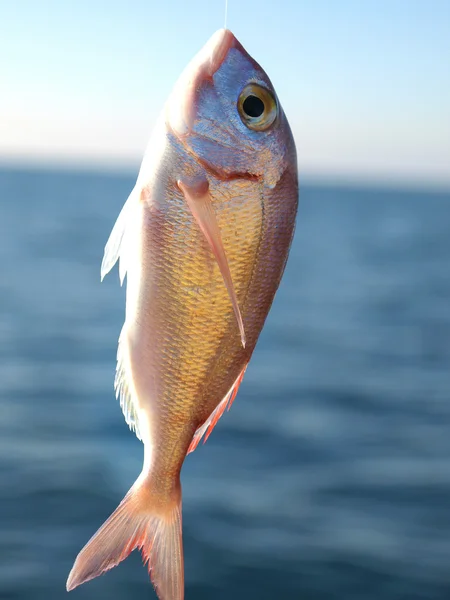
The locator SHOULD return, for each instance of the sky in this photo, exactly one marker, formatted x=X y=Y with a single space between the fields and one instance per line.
x=365 y=83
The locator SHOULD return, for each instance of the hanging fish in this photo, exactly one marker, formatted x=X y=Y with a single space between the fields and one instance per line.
x=203 y=239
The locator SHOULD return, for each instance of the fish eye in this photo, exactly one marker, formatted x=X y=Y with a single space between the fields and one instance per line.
x=257 y=107
x=253 y=106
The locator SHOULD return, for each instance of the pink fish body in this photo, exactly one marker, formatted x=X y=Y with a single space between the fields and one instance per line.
x=203 y=240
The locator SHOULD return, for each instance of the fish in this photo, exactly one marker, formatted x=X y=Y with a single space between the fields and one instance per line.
x=203 y=241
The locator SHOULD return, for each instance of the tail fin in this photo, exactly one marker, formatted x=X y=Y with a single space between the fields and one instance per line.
x=140 y=521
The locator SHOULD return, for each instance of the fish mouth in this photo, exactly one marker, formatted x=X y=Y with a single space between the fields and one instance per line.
x=215 y=51
x=181 y=107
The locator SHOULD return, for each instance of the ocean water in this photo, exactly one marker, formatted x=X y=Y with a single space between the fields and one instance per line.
x=330 y=477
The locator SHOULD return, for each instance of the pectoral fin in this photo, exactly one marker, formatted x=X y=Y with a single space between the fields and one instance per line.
x=199 y=201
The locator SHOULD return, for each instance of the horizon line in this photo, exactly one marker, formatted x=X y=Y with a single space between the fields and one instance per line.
x=309 y=176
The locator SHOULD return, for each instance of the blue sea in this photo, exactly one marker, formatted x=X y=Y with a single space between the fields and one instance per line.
x=330 y=477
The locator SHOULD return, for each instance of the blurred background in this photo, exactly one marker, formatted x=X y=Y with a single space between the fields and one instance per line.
x=330 y=477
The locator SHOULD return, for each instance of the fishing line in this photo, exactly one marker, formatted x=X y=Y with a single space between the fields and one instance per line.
x=226 y=14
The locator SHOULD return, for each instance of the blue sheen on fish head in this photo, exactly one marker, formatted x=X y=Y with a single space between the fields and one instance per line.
x=225 y=111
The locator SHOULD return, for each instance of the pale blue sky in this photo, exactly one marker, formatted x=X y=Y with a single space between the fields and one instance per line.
x=365 y=84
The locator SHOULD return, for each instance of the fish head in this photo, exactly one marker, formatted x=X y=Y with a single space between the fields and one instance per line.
x=225 y=112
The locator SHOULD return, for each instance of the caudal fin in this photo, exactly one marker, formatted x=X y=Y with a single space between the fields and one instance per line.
x=140 y=521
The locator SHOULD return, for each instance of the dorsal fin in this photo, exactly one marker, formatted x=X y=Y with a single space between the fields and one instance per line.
x=124 y=388
x=117 y=242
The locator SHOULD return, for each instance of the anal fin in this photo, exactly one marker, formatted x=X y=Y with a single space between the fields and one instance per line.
x=211 y=422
